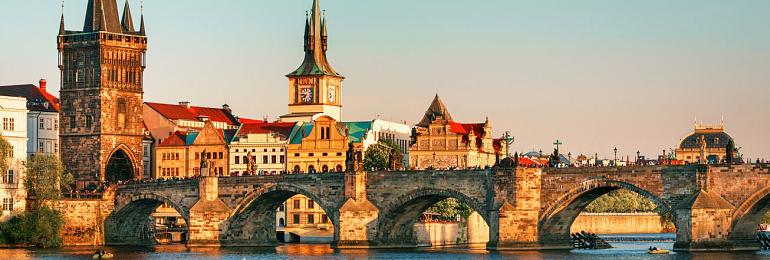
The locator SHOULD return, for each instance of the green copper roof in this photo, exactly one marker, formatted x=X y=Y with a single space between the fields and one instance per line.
x=299 y=132
x=358 y=130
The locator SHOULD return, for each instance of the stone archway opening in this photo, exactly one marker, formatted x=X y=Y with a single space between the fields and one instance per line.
x=617 y=211
x=119 y=167
x=282 y=215
x=434 y=219
x=148 y=221
x=755 y=218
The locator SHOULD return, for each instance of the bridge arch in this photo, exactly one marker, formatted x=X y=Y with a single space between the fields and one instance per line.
x=748 y=215
x=253 y=221
x=398 y=217
x=131 y=215
x=555 y=222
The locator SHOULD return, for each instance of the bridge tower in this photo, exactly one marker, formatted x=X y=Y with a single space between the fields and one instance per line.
x=102 y=70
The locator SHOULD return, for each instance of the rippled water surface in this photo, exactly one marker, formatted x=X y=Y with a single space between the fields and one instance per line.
x=621 y=250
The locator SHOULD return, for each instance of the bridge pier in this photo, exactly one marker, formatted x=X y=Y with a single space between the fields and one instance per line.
x=358 y=217
x=513 y=225
x=208 y=214
x=703 y=224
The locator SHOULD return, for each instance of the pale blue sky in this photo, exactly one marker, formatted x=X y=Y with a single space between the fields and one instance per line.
x=594 y=74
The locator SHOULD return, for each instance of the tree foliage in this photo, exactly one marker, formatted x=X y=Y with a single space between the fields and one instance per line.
x=5 y=153
x=449 y=209
x=45 y=178
x=385 y=154
x=621 y=201
x=39 y=227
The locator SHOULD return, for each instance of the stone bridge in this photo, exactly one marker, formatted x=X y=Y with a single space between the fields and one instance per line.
x=714 y=207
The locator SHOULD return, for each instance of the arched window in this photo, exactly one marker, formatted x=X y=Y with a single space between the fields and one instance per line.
x=339 y=168
x=311 y=169
x=281 y=222
x=296 y=169
x=121 y=112
x=325 y=168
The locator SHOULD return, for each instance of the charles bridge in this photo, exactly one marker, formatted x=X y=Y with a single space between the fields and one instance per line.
x=713 y=207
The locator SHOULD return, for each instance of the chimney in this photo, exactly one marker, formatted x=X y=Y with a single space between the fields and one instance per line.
x=42 y=84
x=226 y=107
x=185 y=103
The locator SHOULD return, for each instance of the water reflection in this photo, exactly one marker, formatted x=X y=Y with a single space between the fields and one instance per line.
x=621 y=250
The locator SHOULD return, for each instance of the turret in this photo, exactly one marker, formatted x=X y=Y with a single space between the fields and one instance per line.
x=127 y=22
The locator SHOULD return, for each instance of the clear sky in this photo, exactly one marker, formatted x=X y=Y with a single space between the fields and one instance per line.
x=595 y=74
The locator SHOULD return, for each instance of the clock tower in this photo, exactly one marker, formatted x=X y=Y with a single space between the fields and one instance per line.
x=315 y=87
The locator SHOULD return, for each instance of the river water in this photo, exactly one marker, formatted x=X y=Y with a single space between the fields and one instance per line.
x=621 y=250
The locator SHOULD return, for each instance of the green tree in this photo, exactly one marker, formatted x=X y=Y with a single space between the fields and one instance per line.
x=5 y=153
x=621 y=201
x=449 y=209
x=385 y=154
x=39 y=227
x=46 y=178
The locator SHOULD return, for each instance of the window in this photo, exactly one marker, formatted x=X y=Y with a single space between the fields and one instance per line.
x=8 y=177
x=8 y=124
x=40 y=147
x=310 y=204
x=237 y=160
x=89 y=121
x=324 y=218
x=295 y=218
x=41 y=125
x=264 y=159
x=56 y=147
x=310 y=218
x=8 y=204
x=296 y=204
x=273 y=159
x=245 y=159
x=121 y=112
x=282 y=159
x=56 y=124
x=221 y=155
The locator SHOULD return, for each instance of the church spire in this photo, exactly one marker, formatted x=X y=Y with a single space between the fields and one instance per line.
x=315 y=62
x=127 y=22
x=61 y=23
x=141 y=22
x=102 y=16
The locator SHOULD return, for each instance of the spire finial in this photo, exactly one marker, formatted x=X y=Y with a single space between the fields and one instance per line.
x=61 y=23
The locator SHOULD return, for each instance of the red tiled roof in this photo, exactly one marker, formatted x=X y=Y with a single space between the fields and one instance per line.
x=465 y=130
x=282 y=129
x=524 y=161
x=176 y=139
x=172 y=111
x=36 y=97
x=249 y=121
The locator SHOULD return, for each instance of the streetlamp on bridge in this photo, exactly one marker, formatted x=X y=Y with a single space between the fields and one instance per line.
x=616 y=156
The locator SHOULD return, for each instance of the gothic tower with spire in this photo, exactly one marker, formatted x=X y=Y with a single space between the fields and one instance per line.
x=315 y=88
x=102 y=70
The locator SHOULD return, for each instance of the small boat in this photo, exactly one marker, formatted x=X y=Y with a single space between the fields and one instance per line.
x=658 y=252
x=103 y=255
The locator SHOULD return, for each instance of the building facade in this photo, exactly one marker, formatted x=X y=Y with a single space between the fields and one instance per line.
x=315 y=88
x=102 y=69
x=260 y=148
x=179 y=155
x=13 y=113
x=439 y=142
x=318 y=146
x=400 y=133
x=162 y=120
x=42 y=118
x=707 y=144
x=306 y=220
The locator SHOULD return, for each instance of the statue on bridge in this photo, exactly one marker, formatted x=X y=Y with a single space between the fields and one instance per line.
x=353 y=159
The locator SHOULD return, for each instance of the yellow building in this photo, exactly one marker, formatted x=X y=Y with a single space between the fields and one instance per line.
x=441 y=143
x=706 y=144
x=307 y=221
x=179 y=155
x=321 y=145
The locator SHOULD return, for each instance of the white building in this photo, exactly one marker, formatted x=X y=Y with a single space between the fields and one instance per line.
x=260 y=147
x=399 y=132
x=42 y=118
x=13 y=113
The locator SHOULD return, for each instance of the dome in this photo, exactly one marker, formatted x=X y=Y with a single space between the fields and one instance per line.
x=718 y=139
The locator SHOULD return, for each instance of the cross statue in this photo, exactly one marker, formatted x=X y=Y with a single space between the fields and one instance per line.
x=557 y=143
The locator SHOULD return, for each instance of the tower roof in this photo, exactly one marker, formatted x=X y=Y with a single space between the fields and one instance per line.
x=102 y=16
x=315 y=62
x=127 y=21
x=436 y=108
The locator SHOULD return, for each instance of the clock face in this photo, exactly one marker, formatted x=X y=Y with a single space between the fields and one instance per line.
x=307 y=95
x=332 y=95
